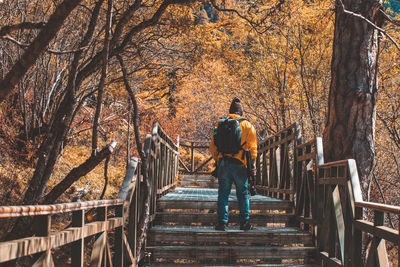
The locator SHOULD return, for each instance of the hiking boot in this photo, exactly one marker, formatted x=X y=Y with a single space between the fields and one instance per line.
x=246 y=226
x=221 y=226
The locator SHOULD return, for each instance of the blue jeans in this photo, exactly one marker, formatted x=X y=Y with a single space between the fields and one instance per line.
x=229 y=171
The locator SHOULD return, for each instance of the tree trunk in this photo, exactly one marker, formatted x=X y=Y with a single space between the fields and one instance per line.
x=78 y=172
x=350 y=127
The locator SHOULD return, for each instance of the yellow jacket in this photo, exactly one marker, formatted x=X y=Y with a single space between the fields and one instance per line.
x=249 y=139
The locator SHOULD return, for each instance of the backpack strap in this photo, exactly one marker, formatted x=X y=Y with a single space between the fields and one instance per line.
x=241 y=146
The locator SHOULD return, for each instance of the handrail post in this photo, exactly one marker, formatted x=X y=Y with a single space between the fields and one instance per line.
x=43 y=230
x=119 y=243
x=77 y=251
x=192 y=158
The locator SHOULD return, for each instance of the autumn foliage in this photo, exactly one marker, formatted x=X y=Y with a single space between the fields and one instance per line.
x=185 y=61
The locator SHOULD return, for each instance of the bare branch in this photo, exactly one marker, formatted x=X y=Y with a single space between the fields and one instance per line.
x=253 y=24
x=104 y=70
x=52 y=51
x=369 y=22
x=21 y=26
x=389 y=18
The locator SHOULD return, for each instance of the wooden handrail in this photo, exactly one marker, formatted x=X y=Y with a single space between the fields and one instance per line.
x=162 y=158
x=31 y=210
x=378 y=207
x=275 y=165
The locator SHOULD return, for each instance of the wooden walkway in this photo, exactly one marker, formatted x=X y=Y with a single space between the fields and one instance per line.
x=184 y=232
x=308 y=212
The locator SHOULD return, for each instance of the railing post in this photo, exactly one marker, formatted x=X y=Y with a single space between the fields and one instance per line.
x=357 y=240
x=378 y=247
x=77 y=251
x=119 y=243
x=192 y=158
x=43 y=230
x=102 y=216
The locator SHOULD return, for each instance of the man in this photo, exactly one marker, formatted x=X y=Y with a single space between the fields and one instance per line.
x=232 y=168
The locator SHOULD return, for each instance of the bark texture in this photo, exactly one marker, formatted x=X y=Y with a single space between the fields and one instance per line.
x=350 y=127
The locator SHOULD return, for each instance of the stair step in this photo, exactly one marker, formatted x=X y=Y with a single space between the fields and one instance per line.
x=198 y=183
x=260 y=235
x=206 y=198
x=224 y=265
x=231 y=253
x=212 y=205
x=208 y=177
x=211 y=218
x=206 y=181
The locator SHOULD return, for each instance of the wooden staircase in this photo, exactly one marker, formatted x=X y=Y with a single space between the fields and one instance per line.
x=183 y=232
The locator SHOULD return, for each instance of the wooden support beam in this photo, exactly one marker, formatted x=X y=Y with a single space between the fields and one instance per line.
x=77 y=251
x=28 y=246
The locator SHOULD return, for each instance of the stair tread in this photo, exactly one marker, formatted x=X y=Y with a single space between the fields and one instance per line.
x=228 y=247
x=230 y=229
x=231 y=252
x=224 y=265
x=197 y=194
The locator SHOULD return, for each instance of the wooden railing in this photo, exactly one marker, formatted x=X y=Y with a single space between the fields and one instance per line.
x=195 y=168
x=342 y=224
x=117 y=216
x=327 y=200
x=329 y=204
x=110 y=215
x=163 y=160
x=308 y=156
x=276 y=163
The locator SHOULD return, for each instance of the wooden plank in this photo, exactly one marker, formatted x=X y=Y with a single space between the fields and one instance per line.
x=203 y=164
x=171 y=147
x=339 y=220
x=165 y=188
x=306 y=220
x=77 y=250
x=329 y=261
x=28 y=246
x=46 y=260
x=98 y=251
x=382 y=255
x=20 y=211
x=233 y=236
x=275 y=190
x=261 y=205
x=231 y=252
x=306 y=157
x=379 y=207
x=333 y=181
x=128 y=185
x=334 y=164
x=184 y=166
x=195 y=146
x=211 y=218
x=128 y=249
x=384 y=232
x=304 y=145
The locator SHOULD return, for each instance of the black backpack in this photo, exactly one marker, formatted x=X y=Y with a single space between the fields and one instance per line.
x=228 y=135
